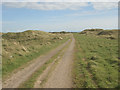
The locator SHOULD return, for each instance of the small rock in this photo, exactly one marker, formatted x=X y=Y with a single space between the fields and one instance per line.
x=11 y=56
x=60 y=38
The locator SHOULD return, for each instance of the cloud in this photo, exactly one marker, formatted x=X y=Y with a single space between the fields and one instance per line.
x=104 y=5
x=15 y=4
x=47 y=5
x=60 y=5
x=61 y=1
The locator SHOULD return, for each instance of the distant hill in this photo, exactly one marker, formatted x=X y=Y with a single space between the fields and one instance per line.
x=112 y=34
x=91 y=31
x=108 y=32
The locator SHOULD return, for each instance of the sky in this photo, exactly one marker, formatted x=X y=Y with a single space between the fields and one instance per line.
x=58 y=16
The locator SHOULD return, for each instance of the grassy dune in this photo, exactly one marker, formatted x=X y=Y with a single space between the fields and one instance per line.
x=96 y=60
x=20 y=48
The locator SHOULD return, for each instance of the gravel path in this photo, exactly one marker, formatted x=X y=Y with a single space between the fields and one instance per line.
x=61 y=77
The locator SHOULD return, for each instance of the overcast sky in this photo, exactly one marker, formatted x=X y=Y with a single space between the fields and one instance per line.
x=51 y=16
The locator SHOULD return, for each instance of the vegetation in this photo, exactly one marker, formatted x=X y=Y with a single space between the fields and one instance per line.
x=96 y=57
x=96 y=60
x=20 y=48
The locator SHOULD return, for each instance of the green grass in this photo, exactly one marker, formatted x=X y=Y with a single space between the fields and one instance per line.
x=20 y=48
x=96 y=62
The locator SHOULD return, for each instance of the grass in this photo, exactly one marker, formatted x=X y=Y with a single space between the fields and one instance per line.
x=96 y=62
x=20 y=48
x=29 y=83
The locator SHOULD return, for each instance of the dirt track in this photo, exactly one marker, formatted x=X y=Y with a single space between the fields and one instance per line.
x=22 y=75
x=61 y=76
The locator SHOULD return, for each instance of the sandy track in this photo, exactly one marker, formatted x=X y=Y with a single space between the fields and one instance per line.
x=16 y=79
x=61 y=77
x=43 y=77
